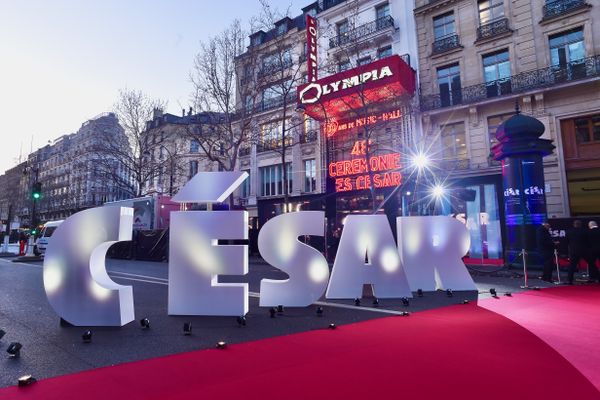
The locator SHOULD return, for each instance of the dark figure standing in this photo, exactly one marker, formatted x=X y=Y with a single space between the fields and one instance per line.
x=577 y=239
x=593 y=242
x=546 y=249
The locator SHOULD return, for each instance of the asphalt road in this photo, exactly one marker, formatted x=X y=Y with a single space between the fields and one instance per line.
x=50 y=349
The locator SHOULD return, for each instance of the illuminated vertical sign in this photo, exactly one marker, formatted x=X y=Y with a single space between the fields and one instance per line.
x=311 y=47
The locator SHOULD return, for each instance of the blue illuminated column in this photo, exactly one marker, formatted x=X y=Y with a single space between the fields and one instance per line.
x=521 y=151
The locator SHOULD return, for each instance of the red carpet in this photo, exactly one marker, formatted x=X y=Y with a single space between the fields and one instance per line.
x=567 y=318
x=462 y=351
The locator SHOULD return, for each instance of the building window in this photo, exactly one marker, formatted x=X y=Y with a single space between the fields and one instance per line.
x=245 y=186
x=194 y=146
x=493 y=123
x=344 y=65
x=281 y=29
x=443 y=25
x=490 y=10
x=496 y=72
x=193 y=168
x=566 y=47
x=448 y=78
x=384 y=52
x=364 y=60
x=454 y=144
x=272 y=179
x=271 y=134
x=256 y=40
x=587 y=130
x=342 y=28
x=310 y=175
x=382 y=11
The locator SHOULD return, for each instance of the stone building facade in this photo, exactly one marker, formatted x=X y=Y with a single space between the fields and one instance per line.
x=478 y=59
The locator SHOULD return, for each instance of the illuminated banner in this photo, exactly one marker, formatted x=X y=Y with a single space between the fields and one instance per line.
x=379 y=81
x=311 y=47
x=332 y=126
x=354 y=175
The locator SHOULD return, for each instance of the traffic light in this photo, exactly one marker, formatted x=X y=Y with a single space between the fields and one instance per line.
x=36 y=192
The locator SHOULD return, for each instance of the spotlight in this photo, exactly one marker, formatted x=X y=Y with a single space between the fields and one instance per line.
x=145 y=323
x=357 y=302
x=87 y=337
x=14 y=349
x=280 y=309
x=420 y=292
x=332 y=326
x=449 y=292
x=404 y=314
x=2 y=333
x=375 y=302
x=187 y=328
x=221 y=345
x=241 y=321
x=465 y=301
x=26 y=380
x=438 y=191
x=320 y=311
x=493 y=292
x=272 y=312
x=405 y=301
x=508 y=294
x=420 y=161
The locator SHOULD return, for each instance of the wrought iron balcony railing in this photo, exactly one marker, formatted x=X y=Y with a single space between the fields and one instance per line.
x=308 y=137
x=493 y=29
x=453 y=164
x=536 y=79
x=275 y=67
x=558 y=7
x=362 y=32
x=446 y=43
x=273 y=103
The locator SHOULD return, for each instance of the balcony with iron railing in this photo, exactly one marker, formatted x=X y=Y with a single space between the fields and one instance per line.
x=446 y=43
x=493 y=29
x=526 y=81
x=308 y=137
x=362 y=32
x=556 y=8
x=273 y=103
x=274 y=67
x=454 y=164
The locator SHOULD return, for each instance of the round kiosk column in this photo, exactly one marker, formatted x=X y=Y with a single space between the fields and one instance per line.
x=521 y=151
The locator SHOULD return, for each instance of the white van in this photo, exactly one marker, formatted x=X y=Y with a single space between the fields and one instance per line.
x=47 y=231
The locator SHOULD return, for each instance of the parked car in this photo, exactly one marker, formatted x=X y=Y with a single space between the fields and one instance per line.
x=42 y=241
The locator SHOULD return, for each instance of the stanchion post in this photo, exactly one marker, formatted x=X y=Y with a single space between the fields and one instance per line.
x=524 y=255
x=556 y=262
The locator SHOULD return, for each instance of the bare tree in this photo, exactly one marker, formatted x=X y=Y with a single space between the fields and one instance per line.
x=215 y=81
x=127 y=159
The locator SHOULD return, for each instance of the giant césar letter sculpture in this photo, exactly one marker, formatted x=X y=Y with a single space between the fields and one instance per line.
x=75 y=278
x=428 y=256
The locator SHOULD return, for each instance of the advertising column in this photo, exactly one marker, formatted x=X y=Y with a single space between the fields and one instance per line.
x=521 y=151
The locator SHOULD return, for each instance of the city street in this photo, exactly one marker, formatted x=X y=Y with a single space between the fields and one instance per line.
x=51 y=350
